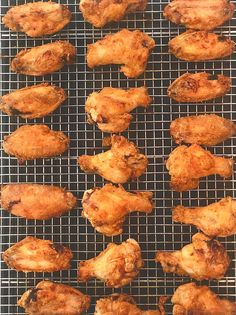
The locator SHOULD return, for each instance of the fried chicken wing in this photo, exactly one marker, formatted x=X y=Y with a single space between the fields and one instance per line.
x=198 y=87
x=50 y=298
x=200 y=300
x=199 y=14
x=33 y=101
x=206 y=130
x=39 y=202
x=45 y=59
x=110 y=108
x=37 y=18
x=131 y=49
x=119 y=164
x=35 y=255
x=204 y=258
x=31 y=142
x=187 y=164
x=101 y=12
x=117 y=265
x=200 y=46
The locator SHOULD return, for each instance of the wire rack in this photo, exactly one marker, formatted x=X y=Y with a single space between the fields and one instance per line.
x=149 y=130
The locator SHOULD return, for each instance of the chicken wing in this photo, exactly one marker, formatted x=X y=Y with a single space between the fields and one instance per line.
x=33 y=201
x=200 y=300
x=101 y=12
x=117 y=265
x=131 y=49
x=31 y=142
x=35 y=255
x=203 y=259
x=110 y=108
x=37 y=18
x=198 y=87
x=45 y=59
x=199 y=14
x=50 y=298
x=206 y=130
x=119 y=164
x=217 y=219
x=187 y=164
x=200 y=46
x=33 y=101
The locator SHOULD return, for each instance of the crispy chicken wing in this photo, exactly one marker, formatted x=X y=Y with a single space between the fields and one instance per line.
x=187 y=164
x=33 y=201
x=200 y=300
x=200 y=46
x=33 y=101
x=110 y=108
x=37 y=18
x=50 y=298
x=217 y=219
x=206 y=130
x=45 y=59
x=203 y=259
x=35 y=255
x=131 y=49
x=199 y=14
x=119 y=164
x=106 y=208
x=198 y=87
x=101 y=12
x=117 y=265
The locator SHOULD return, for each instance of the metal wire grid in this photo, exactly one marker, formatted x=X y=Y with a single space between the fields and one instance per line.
x=149 y=131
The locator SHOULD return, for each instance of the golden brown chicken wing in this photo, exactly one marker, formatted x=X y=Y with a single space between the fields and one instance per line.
x=101 y=12
x=119 y=164
x=187 y=164
x=199 y=14
x=200 y=300
x=33 y=201
x=203 y=259
x=117 y=265
x=110 y=108
x=198 y=87
x=200 y=46
x=31 y=142
x=202 y=129
x=50 y=298
x=35 y=255
x=33 y=101
x=37 y=18
x=131 y=49
x=45 y=59
x=106 y=208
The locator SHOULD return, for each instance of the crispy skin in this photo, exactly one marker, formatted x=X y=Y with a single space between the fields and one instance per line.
x=119 y=164
x=38 y=18
x=206 y=130
x=33 y=101
x=45 y=59
x=200 y=300
x=31 y=142
x=187 y=164
x=49 y=298
x=203 y=259
x=131 y=49
x=198 y=87
x=200 y=46
x=35 y=255
x=199 y=14
x=101 y=12
x=117 y=265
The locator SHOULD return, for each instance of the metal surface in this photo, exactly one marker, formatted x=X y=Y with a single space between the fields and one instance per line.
x=149 y=130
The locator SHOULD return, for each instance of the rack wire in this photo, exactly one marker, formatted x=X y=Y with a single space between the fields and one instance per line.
x=149 y=130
